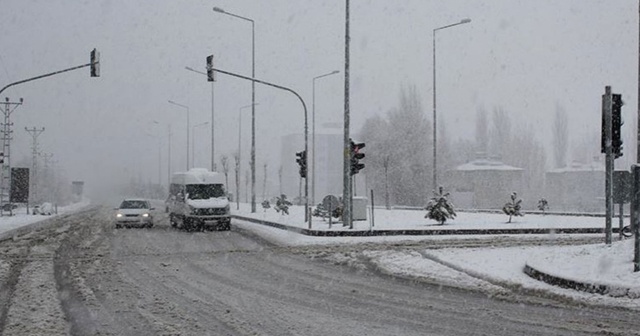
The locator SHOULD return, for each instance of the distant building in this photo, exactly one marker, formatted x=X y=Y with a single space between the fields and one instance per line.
x=483 y=184
x=329 y=142
x=579 y=187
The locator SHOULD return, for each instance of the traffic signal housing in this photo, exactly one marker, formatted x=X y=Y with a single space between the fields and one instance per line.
x=302 y=161
x=95 y=63
x=616 y=125
x=210 y=72
x=356 y=156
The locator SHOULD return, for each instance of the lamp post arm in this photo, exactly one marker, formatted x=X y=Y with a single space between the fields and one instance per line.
x=452 y=25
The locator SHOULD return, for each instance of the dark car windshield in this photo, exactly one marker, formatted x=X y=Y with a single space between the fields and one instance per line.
x=205 y=191
x=133 y=204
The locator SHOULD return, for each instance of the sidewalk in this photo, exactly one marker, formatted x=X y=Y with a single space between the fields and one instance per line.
x=23 y=222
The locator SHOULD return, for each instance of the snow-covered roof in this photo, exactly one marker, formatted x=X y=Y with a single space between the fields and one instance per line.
x=580 y=167
x=197 y=176
x=484 y=164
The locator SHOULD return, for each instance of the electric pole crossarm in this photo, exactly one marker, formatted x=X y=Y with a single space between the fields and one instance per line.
x=43 y=76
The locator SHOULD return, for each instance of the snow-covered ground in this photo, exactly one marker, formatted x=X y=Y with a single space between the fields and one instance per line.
x=488 y=268
x=21 y=218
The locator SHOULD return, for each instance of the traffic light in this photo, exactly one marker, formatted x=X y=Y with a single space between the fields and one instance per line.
x=356 y=156
x=302 y=161
x=1 y=157
x=95 y=63
x=210 y=72
x=616 y=124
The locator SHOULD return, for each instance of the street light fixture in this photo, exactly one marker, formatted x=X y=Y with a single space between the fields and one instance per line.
x=253 y=103
x=313 y=131
x=193 y=142
x=213 y=151
x=435 y=125
x=187 y=108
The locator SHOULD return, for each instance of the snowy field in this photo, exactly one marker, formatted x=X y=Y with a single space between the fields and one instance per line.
x=486 y=268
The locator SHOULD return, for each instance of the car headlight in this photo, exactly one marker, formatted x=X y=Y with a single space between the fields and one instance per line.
x=119 y=215
x=145 y=215
x=227 y=209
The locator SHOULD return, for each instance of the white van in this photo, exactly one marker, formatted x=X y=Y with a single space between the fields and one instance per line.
x=198 y=200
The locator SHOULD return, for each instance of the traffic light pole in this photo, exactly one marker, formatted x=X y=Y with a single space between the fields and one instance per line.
x=606 y=110
x=306 y=127
x=346 y=193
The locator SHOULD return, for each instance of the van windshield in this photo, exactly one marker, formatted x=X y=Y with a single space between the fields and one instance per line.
x=205 y=191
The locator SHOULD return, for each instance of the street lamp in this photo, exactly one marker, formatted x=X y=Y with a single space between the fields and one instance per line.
x=240 y=132
x=193 y=142
x=313 y=136
x=435 y=128
x=187 y=108
x=253 y=104
x=213 y=151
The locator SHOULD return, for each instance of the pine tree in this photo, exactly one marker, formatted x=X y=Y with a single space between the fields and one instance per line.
x=543 y=205
x=512 y=208
x=439 y=208
x=282 y=204
x=266 y=205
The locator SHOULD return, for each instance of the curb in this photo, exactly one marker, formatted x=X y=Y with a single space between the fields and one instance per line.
x=594 y=288
x=420 y=232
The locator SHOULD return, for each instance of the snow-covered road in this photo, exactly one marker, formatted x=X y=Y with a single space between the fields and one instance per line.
x=81 y=277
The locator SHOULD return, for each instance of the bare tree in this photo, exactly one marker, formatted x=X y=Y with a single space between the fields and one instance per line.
x=386 y=161
x=280 y=179
x=560 y=137
x=224 y=160
x=247 y=177
x=404 y=133
x=236 y=157
x=264 y=184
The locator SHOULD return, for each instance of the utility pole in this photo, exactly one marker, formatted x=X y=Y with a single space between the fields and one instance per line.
x=346 y=172
x=48 y=161
x=34 y=132
x=5 y=183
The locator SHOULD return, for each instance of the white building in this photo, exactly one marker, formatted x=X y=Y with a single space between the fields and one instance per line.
x=328 y=161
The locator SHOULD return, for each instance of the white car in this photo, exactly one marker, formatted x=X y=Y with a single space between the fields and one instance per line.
x=134 y=212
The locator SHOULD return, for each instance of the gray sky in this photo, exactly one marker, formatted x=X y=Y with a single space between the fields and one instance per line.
x=526 y=56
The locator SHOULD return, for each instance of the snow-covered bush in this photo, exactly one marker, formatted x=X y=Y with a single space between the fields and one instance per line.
x=282 y=205
x=439 y=208
x=512 y=208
